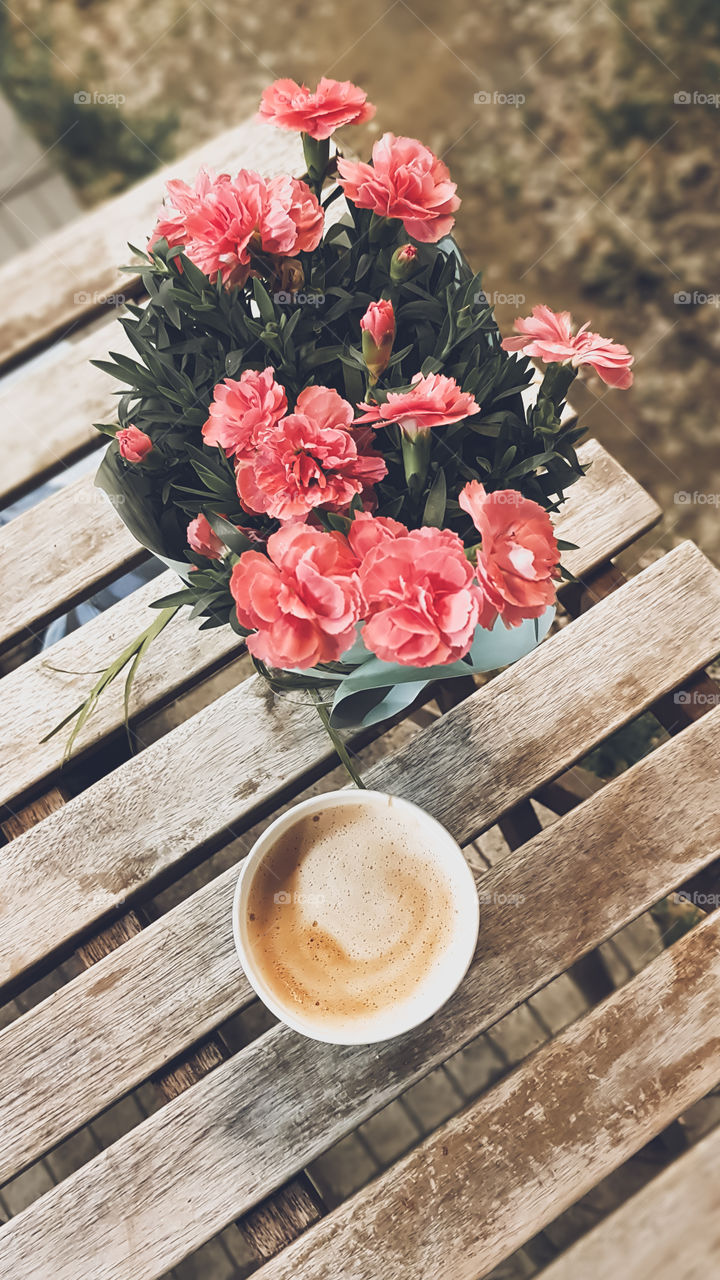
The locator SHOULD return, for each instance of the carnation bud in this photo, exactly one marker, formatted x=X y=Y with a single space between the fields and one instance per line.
x=403 y=263
x=378 y=335
x=133 y=444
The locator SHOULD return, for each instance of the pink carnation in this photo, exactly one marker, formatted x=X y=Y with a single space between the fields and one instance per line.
x=334 y=103
x=243 y=409
x=311 y=458
x=422 y=602
x=405 y=181
x=547 y=335
x=183 y=198
x=221 y=220
x=518 y=558
x=293 y=218
x=203 y=539
x=434 y=401
x=610 y=360
x=133 y=443
x=302 y=599
x=367 y=531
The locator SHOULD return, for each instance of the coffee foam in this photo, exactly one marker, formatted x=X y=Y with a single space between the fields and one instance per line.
x=349 y=913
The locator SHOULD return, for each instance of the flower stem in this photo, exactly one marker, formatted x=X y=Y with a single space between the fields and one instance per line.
x=336 y=740
x=416 y=459
x=556 y=383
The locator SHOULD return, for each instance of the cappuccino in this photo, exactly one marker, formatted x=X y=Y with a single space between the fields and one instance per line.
x=355 y=917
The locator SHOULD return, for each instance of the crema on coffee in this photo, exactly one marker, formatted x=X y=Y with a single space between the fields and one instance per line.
x=351 y=913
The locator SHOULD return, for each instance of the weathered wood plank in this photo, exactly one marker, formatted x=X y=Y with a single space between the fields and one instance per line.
x=36 y=696
x=203 y=780
x=579 y=1107
x=604 y=863
x=668 y=1231
x=243 y=749
x=295 y=1207
x=282 y=1217
x=278 y=1103
x=69 y=283
x=47 y=411
x=58 y=553
x=606 y=498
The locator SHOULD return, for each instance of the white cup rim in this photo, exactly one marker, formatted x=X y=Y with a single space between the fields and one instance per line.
x=469 y=927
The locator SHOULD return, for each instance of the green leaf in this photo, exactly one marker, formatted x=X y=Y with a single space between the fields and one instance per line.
x=175 y=599
x=434 y=513
x=264 y=301
x=131 y=654
x=228 y=533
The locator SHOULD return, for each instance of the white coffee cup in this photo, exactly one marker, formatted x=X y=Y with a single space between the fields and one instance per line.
x=446 y=969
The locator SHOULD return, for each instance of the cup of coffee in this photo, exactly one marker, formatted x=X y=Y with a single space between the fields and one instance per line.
x=355 y=916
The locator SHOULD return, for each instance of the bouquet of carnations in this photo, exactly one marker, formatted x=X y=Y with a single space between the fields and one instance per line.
x=323 y=431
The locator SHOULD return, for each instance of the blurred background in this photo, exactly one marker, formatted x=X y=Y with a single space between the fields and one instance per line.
x=582 y=137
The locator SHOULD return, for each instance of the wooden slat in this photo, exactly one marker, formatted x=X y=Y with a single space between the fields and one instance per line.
x=37 y=695
x=47 y=411
x=58 y=553
x=606 y=499
x=180 y=977
x=203 y=780
x=668 y=1231
x=579 y=1107
x=284 y=1099
x=279 y=1219
x=605 y=511
x=69 y=282
x=243 y=749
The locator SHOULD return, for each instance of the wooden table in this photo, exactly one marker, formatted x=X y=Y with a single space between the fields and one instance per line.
x=237 y=1130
